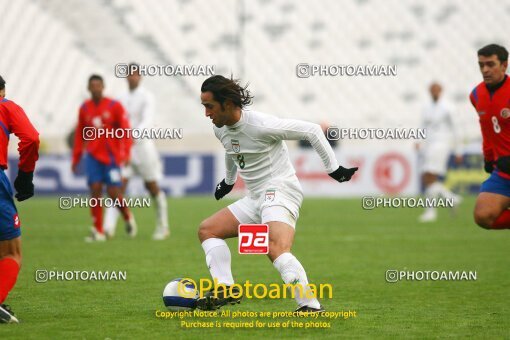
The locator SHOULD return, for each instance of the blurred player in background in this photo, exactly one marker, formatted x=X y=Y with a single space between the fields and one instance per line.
x=491 y=99
x=104 y=154
x=442 y=137
x=254 y=145
x=13 y=120
x=144 y=161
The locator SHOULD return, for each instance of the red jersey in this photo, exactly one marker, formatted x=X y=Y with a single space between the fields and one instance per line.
x=14 y=120
x=107 y=115
x=493 y=110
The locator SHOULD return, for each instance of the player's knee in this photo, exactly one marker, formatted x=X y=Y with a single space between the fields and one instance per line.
x=152 y=188
x=277 y=248
x=112 y=191
x=201 y=234
x=98 y=193
x=205 y=230
x=14 y=254
x=17 y=258
x=11 y=249
x=429 y=178
x=485 y=219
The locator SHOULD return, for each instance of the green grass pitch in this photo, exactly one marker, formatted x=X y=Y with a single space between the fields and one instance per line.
x=336 y=241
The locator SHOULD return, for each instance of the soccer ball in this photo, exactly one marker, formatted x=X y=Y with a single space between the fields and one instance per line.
x=180 y=295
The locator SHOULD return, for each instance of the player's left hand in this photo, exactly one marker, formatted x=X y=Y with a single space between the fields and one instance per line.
x=222 y=189
x=342 y=174
x=24 y=186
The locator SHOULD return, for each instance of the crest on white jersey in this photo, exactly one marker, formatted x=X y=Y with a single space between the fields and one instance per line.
x=505 y=113
x=235 y=145
x=270 y=195
x=97 y=122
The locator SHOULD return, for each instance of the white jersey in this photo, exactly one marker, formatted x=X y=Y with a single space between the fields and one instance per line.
x=439 y=124
x=139 y=104
x=255 y=147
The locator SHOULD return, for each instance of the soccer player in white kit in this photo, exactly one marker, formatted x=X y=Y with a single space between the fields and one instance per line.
x=145 y=161
x=442 y=137
x=255 y=148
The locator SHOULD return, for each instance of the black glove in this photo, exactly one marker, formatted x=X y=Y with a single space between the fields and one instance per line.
x=24 y=186
x=222 y=189
x=503 y=164
x=342 y=174
x=488 y=166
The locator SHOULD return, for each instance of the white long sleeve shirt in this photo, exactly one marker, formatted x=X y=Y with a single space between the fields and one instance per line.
x=438 y=120
x=256 y=149
x=139 y=105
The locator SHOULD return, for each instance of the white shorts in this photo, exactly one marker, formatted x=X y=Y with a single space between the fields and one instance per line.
x=278 y=203
x=436 y=158
x=145 y=162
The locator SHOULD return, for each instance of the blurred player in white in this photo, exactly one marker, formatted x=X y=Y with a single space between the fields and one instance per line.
x=255 y=147
x=145 y=161
x=442 y=138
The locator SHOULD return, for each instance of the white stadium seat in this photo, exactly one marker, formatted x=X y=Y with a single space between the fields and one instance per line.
x=46 y=59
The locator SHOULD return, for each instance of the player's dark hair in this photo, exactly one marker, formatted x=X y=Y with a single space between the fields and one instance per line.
x=224 y=89
x=494 y=49
x=96 y=77
x=2 y=83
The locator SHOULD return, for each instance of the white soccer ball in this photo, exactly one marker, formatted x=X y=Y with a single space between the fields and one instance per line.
x=180 y=295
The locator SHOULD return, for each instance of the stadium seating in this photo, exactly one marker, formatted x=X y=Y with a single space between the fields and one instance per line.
x=42 y=64
x=49 y=55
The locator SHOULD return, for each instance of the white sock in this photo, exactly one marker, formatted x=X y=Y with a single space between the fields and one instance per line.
x=292 y=271
x=217 y=257
x=443 y=191
x=433 y=190
x=110 y=219
x=161 y=210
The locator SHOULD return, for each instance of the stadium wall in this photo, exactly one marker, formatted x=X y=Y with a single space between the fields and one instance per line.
x=382 y=172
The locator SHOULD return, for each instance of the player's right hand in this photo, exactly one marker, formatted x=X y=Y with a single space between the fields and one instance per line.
x=503 y=164
x=24 y=186
x=222 y=189
x=342 y=174
x=488 y=166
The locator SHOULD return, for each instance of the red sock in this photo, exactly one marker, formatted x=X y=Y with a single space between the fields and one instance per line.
x=97 y=217
x=124 y=209
x=9 y=270
x=503 y=221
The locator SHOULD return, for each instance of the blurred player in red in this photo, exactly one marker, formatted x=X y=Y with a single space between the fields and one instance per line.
x=104 y=153
x=491 y=99
x=13 y=120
